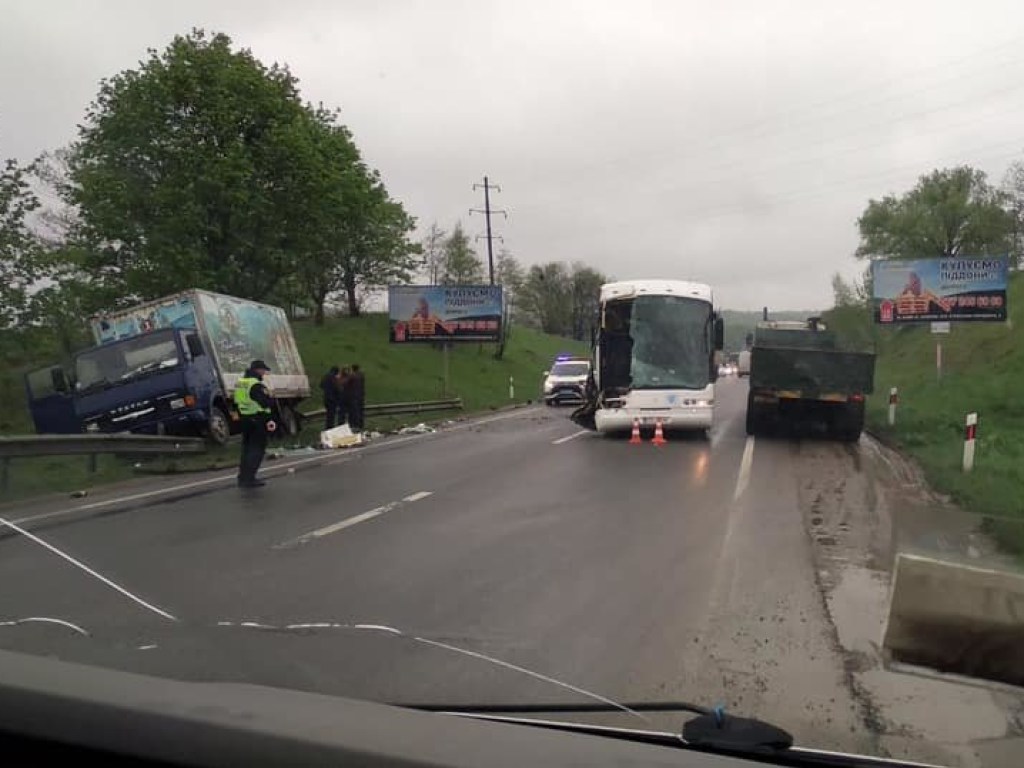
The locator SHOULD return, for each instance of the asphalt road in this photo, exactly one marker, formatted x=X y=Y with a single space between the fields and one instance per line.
x=636 y=572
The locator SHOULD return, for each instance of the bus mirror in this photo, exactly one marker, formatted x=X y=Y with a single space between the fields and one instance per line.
x=719 y=333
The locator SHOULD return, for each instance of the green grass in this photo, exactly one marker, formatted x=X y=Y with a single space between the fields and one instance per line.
x=983 y=371
x=394 y=373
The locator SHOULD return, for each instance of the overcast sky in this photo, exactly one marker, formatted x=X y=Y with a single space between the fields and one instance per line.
x=729 y=142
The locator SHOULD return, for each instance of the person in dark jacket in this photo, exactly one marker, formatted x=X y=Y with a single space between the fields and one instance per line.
x=255 y=406
x=356 y=386
x=330 y=386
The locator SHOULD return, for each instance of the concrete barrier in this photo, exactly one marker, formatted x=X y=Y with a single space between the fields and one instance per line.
x=957 y=618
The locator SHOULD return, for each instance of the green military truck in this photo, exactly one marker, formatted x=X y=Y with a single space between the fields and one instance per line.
x=802 y=372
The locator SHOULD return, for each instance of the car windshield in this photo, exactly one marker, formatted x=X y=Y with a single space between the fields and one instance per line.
x=671 y=350
x=124 y=360
x=570 y=369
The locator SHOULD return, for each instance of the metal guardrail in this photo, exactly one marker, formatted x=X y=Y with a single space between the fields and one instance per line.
x=398 y=409
x=86 y=444
x=24 y=446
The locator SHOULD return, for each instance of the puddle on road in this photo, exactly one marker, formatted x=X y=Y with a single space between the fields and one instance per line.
x=856 y=604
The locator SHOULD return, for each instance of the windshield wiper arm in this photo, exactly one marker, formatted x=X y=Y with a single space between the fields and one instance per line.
x=711 y=729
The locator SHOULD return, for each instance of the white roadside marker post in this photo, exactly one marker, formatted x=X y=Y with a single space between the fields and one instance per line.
x=894 y=398
x=970 y=432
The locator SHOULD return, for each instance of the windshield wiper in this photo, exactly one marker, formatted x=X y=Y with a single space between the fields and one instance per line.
x=98 y=384
x=711 y=729
x=156 y=365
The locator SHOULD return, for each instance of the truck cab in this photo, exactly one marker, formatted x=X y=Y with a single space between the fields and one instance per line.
x=162 y=382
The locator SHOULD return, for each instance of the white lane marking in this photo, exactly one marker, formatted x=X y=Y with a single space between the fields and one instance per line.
x=328 y=457
x=87 y=569
x=743 y=479
x=418 y=495
x=348 y=522
x=44 y=620
x=341 y=525
x=573 y=436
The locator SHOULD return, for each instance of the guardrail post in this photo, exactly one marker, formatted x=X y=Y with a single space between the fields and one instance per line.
x=970 y=432
x=92 y=463
x=894 y=398
x=511 y=388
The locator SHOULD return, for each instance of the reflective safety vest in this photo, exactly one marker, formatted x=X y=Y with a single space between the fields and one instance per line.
x=246 y=405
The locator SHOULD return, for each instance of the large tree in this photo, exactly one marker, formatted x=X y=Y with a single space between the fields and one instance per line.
x=20 y=250
x=356 y=237
x=949 y=212
x=433 y=253
x=187 y=172
x=562 y=299
x=461 y=264
x=1013 y=188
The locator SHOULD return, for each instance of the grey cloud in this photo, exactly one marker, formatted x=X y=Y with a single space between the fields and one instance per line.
x=734 y=142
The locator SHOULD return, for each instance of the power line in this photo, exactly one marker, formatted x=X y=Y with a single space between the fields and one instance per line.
x=487 y=211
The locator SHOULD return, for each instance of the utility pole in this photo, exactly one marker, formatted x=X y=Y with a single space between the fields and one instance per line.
x=487 y=187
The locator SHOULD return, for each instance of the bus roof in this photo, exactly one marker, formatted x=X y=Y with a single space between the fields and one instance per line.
x=625 y=289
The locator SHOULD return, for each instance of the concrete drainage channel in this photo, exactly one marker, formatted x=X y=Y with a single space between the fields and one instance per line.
x=858 y=514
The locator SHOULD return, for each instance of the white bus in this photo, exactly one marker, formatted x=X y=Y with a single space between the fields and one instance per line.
x=654 y=357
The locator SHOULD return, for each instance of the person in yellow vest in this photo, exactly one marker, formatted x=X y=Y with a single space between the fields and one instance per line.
x=255 y=406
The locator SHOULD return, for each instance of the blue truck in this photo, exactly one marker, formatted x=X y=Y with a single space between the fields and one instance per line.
x=169 y=367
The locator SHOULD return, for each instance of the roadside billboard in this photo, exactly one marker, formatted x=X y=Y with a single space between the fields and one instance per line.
x=937 y=290
x=420 y=313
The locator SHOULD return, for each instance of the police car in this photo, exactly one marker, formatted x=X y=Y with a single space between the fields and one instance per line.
x=566 y=381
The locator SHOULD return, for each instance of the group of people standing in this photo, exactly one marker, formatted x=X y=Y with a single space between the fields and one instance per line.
x=344 y=392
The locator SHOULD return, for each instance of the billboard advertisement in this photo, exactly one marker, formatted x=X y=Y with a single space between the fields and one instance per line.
x=444 y=313
x=936 y=290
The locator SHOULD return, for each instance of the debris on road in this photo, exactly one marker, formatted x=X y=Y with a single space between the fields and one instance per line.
x=419 y=429
x=340 y=437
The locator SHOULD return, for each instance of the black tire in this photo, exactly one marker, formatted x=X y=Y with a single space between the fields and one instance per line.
x=754 y=419
x=218 y=426
x=849 y=423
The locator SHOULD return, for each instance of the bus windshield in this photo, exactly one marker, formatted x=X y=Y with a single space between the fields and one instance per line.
x=671 y=343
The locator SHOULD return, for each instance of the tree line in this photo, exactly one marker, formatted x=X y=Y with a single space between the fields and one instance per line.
x=949 y=212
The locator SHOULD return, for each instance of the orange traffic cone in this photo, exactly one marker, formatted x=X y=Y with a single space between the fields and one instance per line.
x=634 y=439
x=659 y=436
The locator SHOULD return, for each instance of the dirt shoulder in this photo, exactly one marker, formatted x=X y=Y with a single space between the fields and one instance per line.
x=861 y=506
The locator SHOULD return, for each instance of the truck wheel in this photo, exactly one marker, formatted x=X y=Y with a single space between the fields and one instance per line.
x=849 y=423
x=754 y=417
x=218 y=427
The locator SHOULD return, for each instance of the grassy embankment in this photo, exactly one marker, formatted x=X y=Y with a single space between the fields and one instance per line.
x=393 y=374
x=983 y=371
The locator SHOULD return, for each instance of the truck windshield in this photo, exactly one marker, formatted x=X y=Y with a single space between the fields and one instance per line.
x=671 y=343
x=125 y=360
